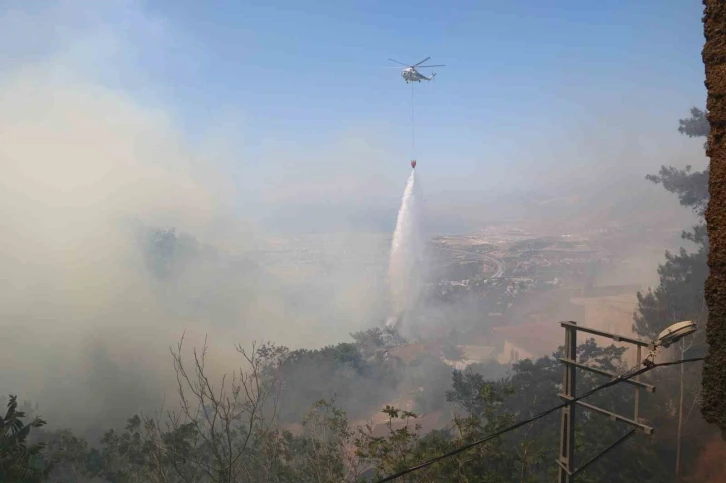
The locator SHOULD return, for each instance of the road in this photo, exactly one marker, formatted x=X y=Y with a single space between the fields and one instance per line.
x=500 y=267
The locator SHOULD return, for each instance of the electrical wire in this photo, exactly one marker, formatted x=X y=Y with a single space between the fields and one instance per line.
x=547 y=412
x=695 y=400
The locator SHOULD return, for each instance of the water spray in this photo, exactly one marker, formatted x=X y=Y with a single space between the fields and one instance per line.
x=406 y=254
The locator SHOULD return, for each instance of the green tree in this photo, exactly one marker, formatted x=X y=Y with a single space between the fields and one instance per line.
x=369 y=341
x=339 y=372
x=325 y=451
x=73 y=459
x=537 y=384
x=20 y=461
x=680 y=296
x=169 y=252
x=690 y=186
x=478 y=408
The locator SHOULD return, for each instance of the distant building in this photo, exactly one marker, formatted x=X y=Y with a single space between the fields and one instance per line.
x=410 y=352
x=427 y=423
x=609 y=290
x=472 y=354
x=550 y=306
x=528 y=341
x=610 y=309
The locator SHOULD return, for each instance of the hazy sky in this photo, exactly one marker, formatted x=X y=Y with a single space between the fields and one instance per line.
x=207 y=116
x=301 y=100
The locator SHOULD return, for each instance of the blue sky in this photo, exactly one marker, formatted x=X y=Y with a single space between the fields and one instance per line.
x=287 y=81
x=303 y=70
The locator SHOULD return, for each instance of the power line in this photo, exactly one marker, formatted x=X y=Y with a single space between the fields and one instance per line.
x=461 y=449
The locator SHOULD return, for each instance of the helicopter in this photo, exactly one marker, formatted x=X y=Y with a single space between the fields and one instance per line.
x=410 y=74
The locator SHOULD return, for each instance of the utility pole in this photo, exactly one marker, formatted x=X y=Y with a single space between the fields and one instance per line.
x=567 y=422
x=566 y=459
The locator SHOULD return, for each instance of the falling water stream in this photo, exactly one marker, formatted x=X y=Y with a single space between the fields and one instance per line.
x=404 y=269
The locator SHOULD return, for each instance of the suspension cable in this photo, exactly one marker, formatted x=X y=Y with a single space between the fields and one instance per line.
x=413 y=127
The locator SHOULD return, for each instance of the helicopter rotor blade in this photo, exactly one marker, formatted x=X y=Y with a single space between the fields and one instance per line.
x=416 y=65
x=440 y=65
x=397 y=62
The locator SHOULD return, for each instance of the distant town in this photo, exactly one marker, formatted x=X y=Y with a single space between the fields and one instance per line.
x=504 y=289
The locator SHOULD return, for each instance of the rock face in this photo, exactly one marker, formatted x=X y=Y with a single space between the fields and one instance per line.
x=714 y=58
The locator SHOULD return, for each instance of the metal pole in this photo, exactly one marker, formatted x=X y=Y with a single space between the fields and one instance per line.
x=638 y=361
x=567 y=424
x=566 y=457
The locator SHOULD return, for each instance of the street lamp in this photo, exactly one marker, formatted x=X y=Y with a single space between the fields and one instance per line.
x=674 y=333
x=670 y=336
